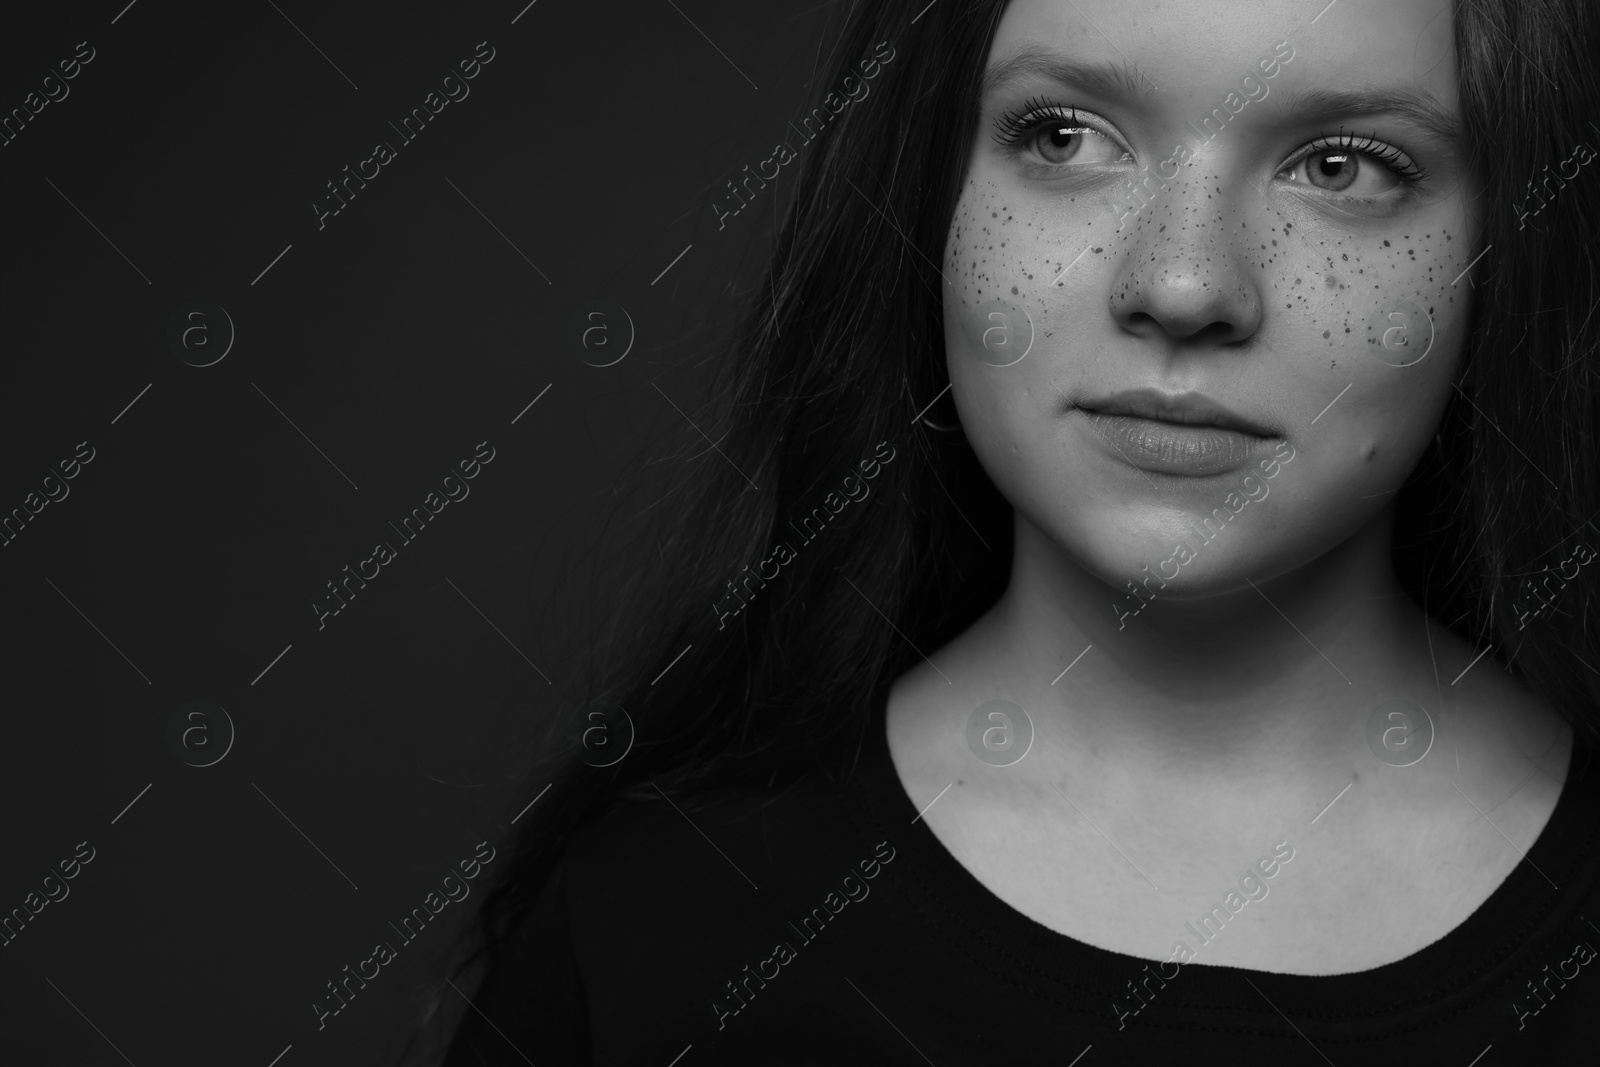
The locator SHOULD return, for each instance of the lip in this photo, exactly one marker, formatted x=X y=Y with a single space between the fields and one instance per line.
x=1187 y=434
x=1183 y=409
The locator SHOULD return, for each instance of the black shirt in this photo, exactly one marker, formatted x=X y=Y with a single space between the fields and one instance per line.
x=826 y=924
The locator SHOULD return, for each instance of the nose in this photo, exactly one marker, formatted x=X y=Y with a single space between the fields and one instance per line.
x=1186 y=272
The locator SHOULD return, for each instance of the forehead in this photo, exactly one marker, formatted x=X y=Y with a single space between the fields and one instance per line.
x=1187 y=52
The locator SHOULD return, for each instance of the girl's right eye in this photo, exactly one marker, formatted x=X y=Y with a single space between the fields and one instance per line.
x=1057 y=135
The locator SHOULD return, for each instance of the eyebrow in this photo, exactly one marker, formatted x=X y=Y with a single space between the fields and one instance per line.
x=1420 y=108
x=1105 y=79
x=1124 y=79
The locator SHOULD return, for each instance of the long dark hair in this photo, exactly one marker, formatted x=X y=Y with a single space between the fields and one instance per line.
x=839 y=347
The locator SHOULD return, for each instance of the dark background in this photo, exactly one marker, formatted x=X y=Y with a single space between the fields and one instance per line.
x=369 y=359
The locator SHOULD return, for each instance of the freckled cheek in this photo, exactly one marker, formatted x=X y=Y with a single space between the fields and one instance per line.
x=1405 y=354
x=1014 y=314
x=1397 y=348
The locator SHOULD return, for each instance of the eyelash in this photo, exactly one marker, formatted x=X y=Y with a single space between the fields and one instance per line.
x=1012 y=128
x=1367 y=144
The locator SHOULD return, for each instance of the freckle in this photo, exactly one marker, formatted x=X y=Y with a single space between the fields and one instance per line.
x=1369 y=453
x=1325 y=334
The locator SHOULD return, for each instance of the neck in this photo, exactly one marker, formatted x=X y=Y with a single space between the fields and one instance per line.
x=1282 y=674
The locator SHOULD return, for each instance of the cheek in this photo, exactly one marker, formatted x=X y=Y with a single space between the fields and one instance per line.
x=1388 y=349
x=1380 y=298
x=991 y=331
x=978 y=255
x=1001 y=260
x=1000 y=375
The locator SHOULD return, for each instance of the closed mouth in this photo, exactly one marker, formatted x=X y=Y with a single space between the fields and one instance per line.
x=1188 y=409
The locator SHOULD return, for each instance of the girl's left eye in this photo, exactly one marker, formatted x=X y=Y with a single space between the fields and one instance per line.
x=1056 y=135
x=1353 y=166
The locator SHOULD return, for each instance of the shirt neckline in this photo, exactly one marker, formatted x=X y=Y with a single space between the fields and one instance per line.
x=1515 y=921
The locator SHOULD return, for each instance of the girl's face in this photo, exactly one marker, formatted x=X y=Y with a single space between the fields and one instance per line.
x=1210 y=268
